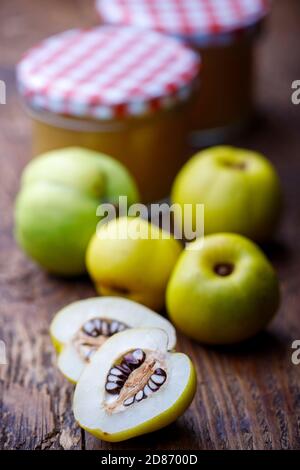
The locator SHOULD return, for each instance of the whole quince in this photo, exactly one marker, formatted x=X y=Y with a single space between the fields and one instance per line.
x=239 y=188
x=129 y=257
x=55 y=213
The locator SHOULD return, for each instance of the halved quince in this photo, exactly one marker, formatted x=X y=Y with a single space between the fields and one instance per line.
x=133 y=386
x=79 y=329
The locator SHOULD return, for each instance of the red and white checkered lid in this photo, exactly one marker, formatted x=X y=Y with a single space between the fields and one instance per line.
x=107 y=72
x=200 y=18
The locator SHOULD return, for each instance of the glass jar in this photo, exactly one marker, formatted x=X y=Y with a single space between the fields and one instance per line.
x=131 y=99
x=152 y=147
x=226 y=93
x=224 y=33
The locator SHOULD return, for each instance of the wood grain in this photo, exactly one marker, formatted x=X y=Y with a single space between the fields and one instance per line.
x=249 y=396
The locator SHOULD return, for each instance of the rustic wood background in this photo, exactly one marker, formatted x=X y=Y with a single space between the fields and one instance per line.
x=248 y=396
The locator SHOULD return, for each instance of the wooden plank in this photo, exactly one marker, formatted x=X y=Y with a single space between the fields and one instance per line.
x=248 y=396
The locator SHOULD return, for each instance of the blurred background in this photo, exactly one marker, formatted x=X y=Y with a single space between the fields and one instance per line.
x=23 y=24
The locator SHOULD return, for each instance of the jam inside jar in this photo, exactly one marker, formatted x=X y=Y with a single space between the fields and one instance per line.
x=122 y=91
x=226 y=93
x=152 y=147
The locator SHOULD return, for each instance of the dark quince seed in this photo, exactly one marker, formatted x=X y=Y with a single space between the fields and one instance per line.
x=135 y=359
x=98 y=324
x=114 y=327
x=132 y=366
x=147 y=391
x=125 y=368
x=130 y=360
x=115 y=379
x=117 y=372
x=129 y=401
x=105 y=328
x=158 y=379
x=139 y=396
x=90 y=329
x=160 y=371
x=139 y=355
x=152 y=386
x=112 y=388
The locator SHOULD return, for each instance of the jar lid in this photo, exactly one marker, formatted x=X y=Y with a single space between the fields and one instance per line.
x=107 y=72
x=205 y=20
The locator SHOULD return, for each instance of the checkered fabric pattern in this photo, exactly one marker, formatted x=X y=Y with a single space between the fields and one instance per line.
x=185 y=17
x=107 y=72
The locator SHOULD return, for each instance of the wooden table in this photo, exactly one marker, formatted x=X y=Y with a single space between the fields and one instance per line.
x=249 y=396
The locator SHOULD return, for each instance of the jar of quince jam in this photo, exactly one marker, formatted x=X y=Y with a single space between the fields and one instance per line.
x=224 y=33
x=120 y=90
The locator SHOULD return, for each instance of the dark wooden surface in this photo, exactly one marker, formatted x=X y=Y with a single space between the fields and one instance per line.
x=249 y=396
